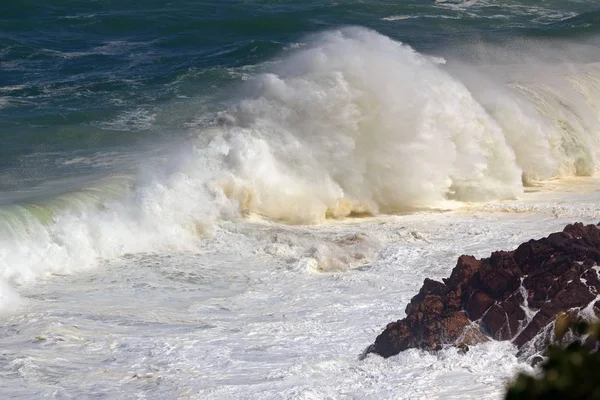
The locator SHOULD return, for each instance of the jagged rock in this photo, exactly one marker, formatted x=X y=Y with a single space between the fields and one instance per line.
x=512 y=295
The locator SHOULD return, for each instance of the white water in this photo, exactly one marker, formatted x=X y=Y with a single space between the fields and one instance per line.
x=264 y=310
x=196 y=294
x=350 y=123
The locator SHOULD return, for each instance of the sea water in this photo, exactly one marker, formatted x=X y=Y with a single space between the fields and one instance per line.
x=232 y=199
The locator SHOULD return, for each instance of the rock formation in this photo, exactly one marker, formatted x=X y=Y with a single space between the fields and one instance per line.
x=512 y=295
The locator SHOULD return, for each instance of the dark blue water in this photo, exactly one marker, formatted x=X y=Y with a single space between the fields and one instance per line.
x=102 y=79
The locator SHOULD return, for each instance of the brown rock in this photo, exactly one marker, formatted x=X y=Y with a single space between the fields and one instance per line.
x=430 y=287
x=453 y=326
x=478 y=304
x=472 y=335
x=495 y=323
x=492 y=297
x=466 y=268
x=500 y=274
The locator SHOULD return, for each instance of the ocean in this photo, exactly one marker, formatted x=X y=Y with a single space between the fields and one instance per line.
x=231 y=199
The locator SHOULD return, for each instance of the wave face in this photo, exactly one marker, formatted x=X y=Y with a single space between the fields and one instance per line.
x=361 y=120
x=350 y=123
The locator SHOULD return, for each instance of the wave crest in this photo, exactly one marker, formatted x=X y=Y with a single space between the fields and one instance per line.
x=353 y=123
x=360 y=118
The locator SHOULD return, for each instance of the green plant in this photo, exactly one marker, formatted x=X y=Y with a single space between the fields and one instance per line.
x=571 y=372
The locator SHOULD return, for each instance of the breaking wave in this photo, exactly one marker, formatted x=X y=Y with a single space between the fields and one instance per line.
x=352 y=123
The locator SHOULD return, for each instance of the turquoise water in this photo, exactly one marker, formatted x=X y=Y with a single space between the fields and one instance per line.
x=104 y=79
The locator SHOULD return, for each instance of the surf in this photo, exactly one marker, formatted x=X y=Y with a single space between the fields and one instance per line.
x=350 y=123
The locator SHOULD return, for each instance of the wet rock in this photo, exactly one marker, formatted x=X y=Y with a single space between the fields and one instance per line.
x=512 y=295
x=477 y=305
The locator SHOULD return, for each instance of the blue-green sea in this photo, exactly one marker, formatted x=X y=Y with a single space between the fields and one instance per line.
x=229 y=199
x=90 y=78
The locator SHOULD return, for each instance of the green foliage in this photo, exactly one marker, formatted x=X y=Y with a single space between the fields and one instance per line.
x=572 y=372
